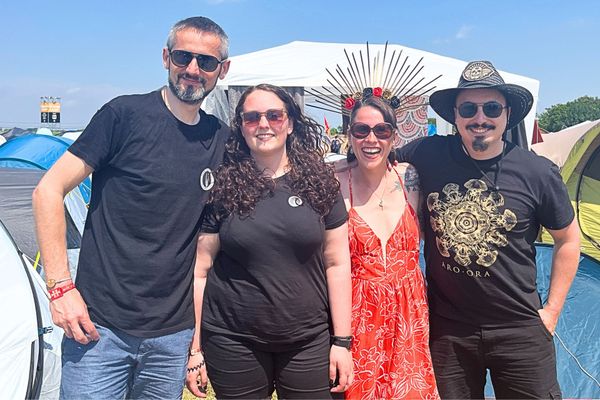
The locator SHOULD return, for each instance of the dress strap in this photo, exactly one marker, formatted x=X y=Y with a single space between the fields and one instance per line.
x=350 y=186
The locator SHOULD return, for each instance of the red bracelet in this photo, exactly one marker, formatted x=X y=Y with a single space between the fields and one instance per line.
x=58 y=292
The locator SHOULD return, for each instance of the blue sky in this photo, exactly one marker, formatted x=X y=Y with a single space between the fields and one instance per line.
x=87 y=52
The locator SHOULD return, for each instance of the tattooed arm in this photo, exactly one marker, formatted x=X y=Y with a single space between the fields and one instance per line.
x=412 y=186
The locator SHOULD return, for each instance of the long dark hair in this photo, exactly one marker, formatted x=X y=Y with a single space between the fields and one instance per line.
x=388 y=116
x=240 y=183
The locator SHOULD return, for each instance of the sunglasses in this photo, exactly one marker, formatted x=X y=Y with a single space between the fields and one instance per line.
x=252 y=118
x=491 y=109
x=383 y=130
x=183 y=58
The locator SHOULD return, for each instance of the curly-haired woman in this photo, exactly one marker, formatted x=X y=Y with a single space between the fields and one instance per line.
x=276 y=238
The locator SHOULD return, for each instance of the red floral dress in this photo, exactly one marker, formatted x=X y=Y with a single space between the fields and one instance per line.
x=390 y=318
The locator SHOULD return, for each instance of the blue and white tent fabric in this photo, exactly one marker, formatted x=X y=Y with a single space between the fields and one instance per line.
x=41 y=152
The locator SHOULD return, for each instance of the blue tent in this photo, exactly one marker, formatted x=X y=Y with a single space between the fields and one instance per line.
x=38 y=152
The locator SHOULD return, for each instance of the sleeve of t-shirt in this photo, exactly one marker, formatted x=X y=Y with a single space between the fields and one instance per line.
x=337 y=215
x=407 y=153
x=210 y=222
x=95 y=144
x=555 y=210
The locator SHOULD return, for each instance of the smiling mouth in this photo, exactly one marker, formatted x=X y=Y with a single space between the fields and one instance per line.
x=370 y=151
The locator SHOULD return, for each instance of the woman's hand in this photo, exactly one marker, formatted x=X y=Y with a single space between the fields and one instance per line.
x=196 y=378
x=341 y=367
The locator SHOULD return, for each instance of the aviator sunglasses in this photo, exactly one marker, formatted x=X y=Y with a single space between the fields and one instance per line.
x=274 y=117
x=491 y=109
x=383 y=130
x=183 y=58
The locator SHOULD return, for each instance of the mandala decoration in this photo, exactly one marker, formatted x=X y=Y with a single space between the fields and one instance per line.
x=412 y=123
x=470 y=225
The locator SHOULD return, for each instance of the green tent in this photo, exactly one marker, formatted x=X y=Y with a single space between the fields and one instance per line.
x=581 y=173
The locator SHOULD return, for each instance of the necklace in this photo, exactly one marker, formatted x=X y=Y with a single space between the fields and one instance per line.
x=483 y=174
x=380 y=203
x=383 y=191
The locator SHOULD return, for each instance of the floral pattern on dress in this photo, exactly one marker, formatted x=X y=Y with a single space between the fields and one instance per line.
x=390 y=317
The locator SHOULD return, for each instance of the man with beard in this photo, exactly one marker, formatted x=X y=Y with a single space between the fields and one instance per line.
x=129 y=316
x=486 y=200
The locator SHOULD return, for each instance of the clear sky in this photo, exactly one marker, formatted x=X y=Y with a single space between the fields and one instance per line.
x=89 y=51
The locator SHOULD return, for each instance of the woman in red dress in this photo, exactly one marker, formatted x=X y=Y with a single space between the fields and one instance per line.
x=389 y=306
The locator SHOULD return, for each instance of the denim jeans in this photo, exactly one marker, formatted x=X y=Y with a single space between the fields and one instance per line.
x=120 y=366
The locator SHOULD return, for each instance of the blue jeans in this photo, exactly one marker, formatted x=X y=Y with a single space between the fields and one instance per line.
x=120 y=366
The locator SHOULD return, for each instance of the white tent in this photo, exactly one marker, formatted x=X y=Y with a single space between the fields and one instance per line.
x=30 y=344
x=302 y=65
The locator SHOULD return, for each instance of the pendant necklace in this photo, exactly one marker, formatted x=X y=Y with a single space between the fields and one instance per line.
x=494 y=183
x=383 y=191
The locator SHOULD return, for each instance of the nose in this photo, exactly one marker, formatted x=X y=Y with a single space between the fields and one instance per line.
x=193 y=68
x=263 y=122
x=480 y=116
x=371 y=137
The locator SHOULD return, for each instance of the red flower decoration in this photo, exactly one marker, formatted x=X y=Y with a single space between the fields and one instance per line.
x=349 y=103
x=377 y=91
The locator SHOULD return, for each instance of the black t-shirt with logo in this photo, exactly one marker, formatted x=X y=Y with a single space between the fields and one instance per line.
x=268 y=282
x=479 y=243
x=151 y=179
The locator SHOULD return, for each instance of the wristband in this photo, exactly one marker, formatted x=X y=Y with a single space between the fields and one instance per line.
x=342 y=341
x=58 y=292
x=53 y=282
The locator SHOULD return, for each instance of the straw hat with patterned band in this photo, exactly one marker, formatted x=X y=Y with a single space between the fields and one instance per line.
x=483 y=75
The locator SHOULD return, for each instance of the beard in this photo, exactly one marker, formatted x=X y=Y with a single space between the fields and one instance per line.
x=189 y=94
x=479 y=144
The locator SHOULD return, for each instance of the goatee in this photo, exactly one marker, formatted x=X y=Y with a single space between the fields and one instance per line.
x=189 y=94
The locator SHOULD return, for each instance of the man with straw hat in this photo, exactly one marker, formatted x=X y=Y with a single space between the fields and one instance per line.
x=485 y=202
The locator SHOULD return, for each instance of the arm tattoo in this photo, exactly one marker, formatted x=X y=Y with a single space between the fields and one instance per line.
x=411 y=179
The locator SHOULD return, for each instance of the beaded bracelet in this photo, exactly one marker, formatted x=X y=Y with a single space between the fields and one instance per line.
x=197 y=367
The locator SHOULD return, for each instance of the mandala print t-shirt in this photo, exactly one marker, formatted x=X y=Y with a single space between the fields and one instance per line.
x=479 y=242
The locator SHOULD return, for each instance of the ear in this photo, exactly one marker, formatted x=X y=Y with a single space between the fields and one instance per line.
x=224 y=69
x=165 y=57
x=290 y=126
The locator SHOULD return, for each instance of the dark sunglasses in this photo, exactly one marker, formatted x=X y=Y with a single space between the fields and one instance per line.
x=252 y=118
x=383 y=130
x=183 y=58
x=491 y=109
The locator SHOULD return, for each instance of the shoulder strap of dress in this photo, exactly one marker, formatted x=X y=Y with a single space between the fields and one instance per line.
x=350 y=186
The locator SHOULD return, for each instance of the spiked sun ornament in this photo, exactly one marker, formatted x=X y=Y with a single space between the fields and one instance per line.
x=395 y=80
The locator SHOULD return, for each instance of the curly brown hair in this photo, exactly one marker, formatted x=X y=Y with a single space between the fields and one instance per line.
x=240 y=183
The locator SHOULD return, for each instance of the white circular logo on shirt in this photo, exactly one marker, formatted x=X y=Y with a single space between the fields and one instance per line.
x=294 y=201
x=207 y=179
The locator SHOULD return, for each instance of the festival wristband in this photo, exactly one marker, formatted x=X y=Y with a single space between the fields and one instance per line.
x=58 y=292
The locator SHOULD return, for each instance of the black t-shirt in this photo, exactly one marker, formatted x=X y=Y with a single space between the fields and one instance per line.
x=268 y=282
x=479 y=243
x=152 y=175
